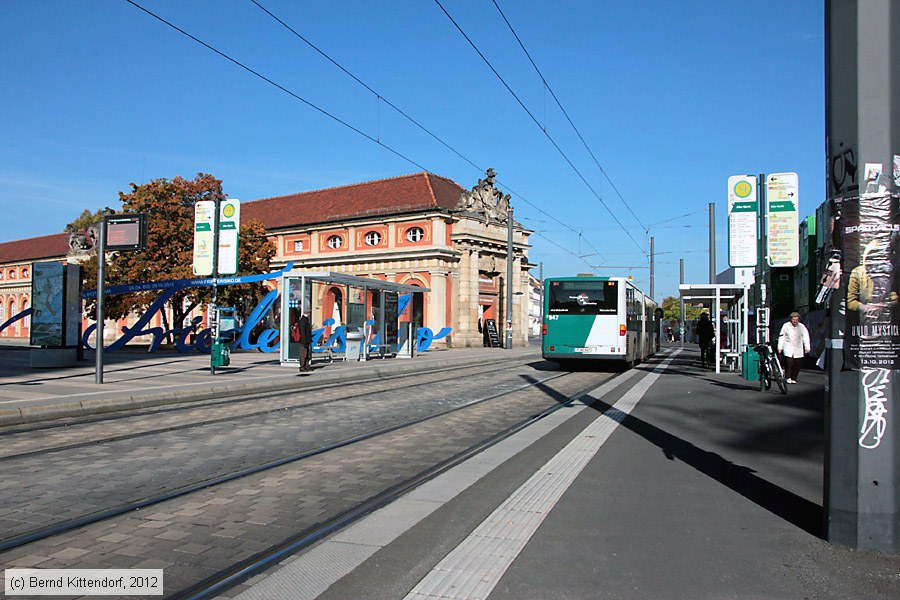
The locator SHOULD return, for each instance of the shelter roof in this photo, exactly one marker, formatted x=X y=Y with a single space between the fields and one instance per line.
x=397 y=194
x=728 y=293
x=45 y=246
x=356 y=281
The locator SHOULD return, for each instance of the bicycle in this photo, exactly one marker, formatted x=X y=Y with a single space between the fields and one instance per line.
x=770 y=369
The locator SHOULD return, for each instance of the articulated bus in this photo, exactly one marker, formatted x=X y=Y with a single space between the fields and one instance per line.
x=598 y=319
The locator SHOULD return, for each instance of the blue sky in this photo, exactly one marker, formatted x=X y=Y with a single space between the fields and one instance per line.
x=671 y=97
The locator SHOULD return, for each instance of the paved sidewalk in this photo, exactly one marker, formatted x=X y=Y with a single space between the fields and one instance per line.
x=133 y=379
x=670 y=481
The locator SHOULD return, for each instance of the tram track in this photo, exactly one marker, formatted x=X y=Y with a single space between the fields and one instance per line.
x=254 y=517
x=95 y=517
x=239 y=572
x=188 y=411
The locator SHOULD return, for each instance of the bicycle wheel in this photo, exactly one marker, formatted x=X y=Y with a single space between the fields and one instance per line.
x=778 y=375
x=762 y=376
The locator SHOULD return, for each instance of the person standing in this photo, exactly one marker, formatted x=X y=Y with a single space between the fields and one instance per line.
x=793 y=344
x=304 y=327
x=705 y=334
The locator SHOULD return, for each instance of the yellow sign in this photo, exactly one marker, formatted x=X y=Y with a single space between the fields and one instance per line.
x=743 y=189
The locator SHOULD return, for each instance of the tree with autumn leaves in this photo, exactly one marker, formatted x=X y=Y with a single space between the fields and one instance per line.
x=169 y=206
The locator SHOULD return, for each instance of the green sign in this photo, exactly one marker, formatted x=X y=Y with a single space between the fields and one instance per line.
x=783 y=239
x=743 y=209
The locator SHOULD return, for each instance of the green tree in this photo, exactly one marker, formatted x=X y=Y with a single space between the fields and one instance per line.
x=671 y=306
x=169 y=206
x=85 y=221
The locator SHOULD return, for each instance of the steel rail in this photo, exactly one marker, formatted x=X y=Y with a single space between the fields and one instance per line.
x=71 y=524
x=221 y=403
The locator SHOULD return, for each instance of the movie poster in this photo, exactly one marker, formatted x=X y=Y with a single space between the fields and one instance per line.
x=871 y=254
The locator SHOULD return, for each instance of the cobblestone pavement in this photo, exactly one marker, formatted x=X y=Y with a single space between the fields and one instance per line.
x=52 y=487
x=194 y=536
x=68 y=432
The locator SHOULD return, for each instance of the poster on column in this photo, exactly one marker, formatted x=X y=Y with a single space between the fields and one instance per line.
x=871 y=231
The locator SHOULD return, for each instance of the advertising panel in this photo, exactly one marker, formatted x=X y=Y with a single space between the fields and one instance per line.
x=47 y=289
x=871 y=225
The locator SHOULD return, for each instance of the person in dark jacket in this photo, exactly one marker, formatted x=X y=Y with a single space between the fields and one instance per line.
x=705 y=334
x=304 y=327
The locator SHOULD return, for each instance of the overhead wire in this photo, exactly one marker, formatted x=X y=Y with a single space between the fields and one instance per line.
x=280 y=87
x=328 y=114
x=403 y=113
x=565 y=113
x=536 y=122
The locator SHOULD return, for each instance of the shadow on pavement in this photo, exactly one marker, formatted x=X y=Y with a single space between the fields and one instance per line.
x=743 y=480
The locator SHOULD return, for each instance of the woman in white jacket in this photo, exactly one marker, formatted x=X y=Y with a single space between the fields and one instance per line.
x=793 y=344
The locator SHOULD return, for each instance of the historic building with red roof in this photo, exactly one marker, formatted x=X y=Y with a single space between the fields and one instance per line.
x=419 y=229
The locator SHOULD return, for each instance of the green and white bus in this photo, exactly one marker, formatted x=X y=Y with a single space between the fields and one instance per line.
x=598 y=319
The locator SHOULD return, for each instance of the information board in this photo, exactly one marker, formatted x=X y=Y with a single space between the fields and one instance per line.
x=204 y=214
x=782 y=203
x=125 y=231
x=390 y=320
x=229 y=227
x=493 y=335
x=47 y=296
x=743 y=216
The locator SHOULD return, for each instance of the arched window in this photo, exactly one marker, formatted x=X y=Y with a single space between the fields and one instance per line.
x=415 y=234
x=373 y=238
x=26 y=322
x=25 y=273
x=335 y=242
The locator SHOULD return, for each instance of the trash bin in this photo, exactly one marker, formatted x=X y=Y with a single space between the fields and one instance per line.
x=354 y=345
x=750 y=365
x=221 y=354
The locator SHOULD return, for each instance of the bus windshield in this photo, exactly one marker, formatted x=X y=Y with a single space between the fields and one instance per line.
x=582 y=297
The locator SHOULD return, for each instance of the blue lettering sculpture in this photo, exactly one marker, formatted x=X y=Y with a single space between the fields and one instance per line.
x=269 y=340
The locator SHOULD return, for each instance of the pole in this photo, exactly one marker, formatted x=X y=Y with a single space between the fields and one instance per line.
x=101 y=276
x=862 y=441
x=681 y=282
x=541 y=309
x=214 y=308
x=509 y=279
x=712 y=242
x=652 y=294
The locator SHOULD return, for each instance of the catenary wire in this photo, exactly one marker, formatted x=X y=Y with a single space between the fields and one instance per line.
x=536 y=122
x=319 y=109
x=566 y=114
x=405 y=114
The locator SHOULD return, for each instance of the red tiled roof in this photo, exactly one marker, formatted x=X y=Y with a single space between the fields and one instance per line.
x=397 y=194
x=46 y=246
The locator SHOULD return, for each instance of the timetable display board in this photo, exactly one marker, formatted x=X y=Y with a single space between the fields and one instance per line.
x=782 y=202
x=743 y=216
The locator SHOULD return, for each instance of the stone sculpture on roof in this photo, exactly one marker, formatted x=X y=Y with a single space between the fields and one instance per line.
x=485 y=199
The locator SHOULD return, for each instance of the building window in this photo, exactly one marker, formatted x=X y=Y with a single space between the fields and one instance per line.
x=298 y=246
x=373 y=238
x=12 y=274
x=25 y=273
x=415 y=234
x=335 y=242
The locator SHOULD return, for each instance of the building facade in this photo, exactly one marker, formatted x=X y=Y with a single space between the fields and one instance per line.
x=419 y=229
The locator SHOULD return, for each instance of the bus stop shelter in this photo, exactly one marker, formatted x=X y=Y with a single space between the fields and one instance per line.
x=366 y=308
x=733 y=322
